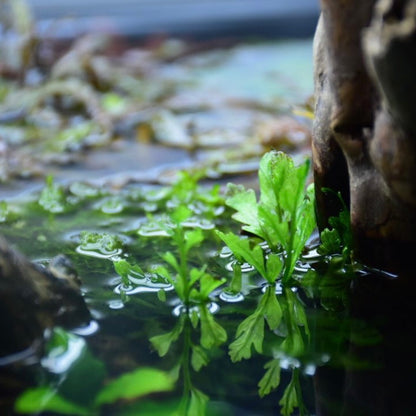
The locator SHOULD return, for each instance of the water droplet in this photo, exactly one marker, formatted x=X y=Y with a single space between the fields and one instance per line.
x=231 y=297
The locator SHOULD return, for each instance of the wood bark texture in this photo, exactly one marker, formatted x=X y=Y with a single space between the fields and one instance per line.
x=364 y=135
x=32 y=300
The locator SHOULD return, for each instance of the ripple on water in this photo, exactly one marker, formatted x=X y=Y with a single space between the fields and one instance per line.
x=181 y=309
x=149 y=282
x=152 y=230
x=115 y=304
x=94 y=250
x=245 y=267
x=89 y=329
x=231 y=297
x=194 y=222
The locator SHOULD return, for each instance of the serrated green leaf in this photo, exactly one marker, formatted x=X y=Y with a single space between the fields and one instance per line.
x=243 y=252
x=330 y=242
x=212 y=333
x=136 y=384
x=271 y=378
x=289 y=400
x=245 y=204
x=249 y=333
x=199 y=357
x=45 y=399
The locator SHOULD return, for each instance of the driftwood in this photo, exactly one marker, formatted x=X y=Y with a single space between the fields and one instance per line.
x=33 y=299
x=364 y=136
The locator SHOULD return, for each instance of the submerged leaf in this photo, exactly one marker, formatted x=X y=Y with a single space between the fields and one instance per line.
x=289 y=400
x=249 y=332
x=271 y=308
x=271 y=378
x=136 y=384
x=45 y=399
x=199 y=358
x=198 y=404
x=212 y=333
x=163 y=342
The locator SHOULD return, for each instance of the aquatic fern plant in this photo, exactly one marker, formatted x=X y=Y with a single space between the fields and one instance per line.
x=283 y=217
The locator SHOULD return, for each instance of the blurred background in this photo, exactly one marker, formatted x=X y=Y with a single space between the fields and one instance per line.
x=121 y=87
x=213 y=18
